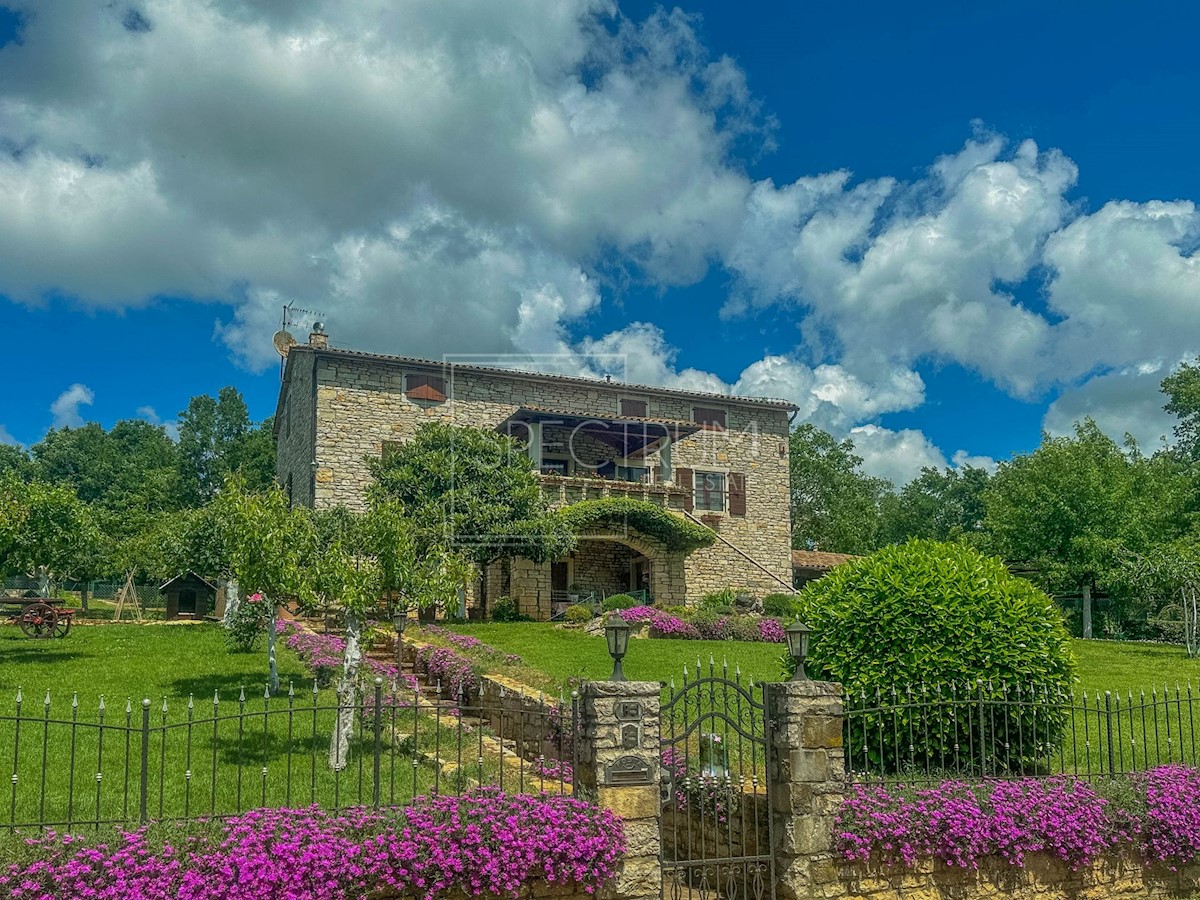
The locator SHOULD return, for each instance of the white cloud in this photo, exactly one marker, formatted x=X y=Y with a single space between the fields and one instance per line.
x=962 y=459
x=897 y=456
x=1127 y=401
x=65 y=407
x=6 y=438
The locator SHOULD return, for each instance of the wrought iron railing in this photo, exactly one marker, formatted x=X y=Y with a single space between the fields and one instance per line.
x=929 y=733
x=72 y=767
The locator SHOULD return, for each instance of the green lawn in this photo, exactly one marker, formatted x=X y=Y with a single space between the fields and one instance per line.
x=562 y=653
x=258 y=752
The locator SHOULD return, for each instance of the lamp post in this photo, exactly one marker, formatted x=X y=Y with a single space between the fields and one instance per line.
x=399 y=620
x=616 y=632
x=797 y=642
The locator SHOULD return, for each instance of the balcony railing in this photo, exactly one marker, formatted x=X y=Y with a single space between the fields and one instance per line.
x=564 y=489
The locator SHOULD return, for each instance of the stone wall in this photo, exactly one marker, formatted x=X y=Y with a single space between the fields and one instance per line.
x=361 y=404
x=602 y=565
x=294 y=451
x=1041 y=878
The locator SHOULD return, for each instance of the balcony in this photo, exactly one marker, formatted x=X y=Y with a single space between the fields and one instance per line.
x=561 y=490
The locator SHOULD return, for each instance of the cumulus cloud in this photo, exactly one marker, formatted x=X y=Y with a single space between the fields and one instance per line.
x=1122 y=402
x=6 y=438
x=150 y=414
x=65 y=407
x=476 y=178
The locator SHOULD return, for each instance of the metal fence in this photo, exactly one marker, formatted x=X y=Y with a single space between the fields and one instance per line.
x=930 y=733
x=213 y=757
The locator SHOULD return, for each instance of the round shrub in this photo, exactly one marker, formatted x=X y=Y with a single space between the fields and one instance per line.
x=619 y=601
x=577 y=614
x=939 y=629
x=505 y=610
x=781 y=606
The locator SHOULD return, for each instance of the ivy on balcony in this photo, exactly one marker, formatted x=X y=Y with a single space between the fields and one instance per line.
x=671 y=529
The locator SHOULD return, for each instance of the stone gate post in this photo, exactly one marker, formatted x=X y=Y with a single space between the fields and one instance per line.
x=617 y=766
x=808 y=778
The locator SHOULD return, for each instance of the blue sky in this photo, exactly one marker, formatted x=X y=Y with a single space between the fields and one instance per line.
x=938 y=230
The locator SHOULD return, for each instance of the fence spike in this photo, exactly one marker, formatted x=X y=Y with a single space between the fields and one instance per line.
x=216 y=697
x=47 y=696
x=164 y=709
x=242 y=695
x=316 y=690
x=190 y=705
x=75 y=700
x=128 y=705
x=101 y=703
x=18 y=693
x=291 y=690
x=267 y=691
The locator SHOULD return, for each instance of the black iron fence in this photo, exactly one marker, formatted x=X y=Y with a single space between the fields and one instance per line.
x=932 y=732
x=190 y=758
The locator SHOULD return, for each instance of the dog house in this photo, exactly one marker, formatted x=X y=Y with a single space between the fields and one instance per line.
x=188 y=596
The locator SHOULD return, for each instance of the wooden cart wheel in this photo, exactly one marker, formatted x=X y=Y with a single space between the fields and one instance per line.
x=62 y=626
x=39 y=620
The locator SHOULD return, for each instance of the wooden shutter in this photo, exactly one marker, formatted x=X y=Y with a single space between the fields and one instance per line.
x=737 y=493
x=683 y=478
x=709 y=417
x=635 y=408
x=425 y=387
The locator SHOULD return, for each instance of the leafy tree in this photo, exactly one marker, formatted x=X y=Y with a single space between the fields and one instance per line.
x=1168 y=578
x=1063 y=509
x=15 y=460
x=939 y=505
x=217 y=439
x=361 y=562
x=1183 y=388
x=45 y=531
x=472 y=491
x=835 y=505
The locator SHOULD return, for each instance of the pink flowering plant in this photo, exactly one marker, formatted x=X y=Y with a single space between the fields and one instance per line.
x=247 y=623
x=483 y=843
x=1155 y=814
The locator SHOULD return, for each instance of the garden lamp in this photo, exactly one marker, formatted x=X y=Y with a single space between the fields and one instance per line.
x=616 y=632
x=797 y=642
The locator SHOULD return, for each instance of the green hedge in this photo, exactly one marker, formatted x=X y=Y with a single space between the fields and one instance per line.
x=676 y=532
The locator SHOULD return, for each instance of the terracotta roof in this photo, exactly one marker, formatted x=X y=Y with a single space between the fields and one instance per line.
x=818 y=559
x=568 y=379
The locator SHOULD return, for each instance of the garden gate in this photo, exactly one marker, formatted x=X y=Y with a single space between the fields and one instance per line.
x=716 y=821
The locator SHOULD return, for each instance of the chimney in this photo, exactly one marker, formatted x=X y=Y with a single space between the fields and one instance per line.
x=317 y=337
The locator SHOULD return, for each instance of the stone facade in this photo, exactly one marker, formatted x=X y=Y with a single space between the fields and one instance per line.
x=339 y=408
x=1040 y=878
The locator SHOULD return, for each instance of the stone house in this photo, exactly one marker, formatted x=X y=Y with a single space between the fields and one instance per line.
x=714 y=459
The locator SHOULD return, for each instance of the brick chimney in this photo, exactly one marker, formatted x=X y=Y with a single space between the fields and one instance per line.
x=317 y=337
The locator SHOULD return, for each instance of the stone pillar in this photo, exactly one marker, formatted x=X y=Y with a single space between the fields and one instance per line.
x=618 y=768
x=808 y=779
x=535 y=445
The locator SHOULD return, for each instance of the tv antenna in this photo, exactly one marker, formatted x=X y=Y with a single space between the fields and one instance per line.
x=283 y=339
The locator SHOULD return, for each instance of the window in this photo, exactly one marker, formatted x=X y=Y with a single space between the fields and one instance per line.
x=709 y=417
x=554 y=466
x=633 y=473
x=709 y=491
x=637 y=409
x=425 y=387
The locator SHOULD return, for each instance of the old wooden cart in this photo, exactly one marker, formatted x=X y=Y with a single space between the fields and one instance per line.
x=38 y=617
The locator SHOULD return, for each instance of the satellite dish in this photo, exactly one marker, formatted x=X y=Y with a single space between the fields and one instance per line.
x=283 y=342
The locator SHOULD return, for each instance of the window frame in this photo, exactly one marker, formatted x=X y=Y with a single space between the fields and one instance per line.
x=644 y=401
x=723 y=425
x=701 y=490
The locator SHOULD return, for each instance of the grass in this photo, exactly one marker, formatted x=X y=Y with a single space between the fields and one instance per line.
x=207 y=758
x=563 y=654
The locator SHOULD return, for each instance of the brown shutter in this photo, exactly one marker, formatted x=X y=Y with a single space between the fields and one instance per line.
x=737 y=494
x=425 y=387
x=709 y=417
x=635 y=408
x=683 y=478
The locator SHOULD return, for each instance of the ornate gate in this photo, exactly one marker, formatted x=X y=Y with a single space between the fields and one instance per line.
x=716 y=822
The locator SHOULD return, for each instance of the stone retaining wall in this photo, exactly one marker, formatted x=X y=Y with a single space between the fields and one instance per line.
x=1041 y=878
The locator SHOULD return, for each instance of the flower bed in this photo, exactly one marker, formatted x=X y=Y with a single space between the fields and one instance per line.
x=322 y=655
x=701 y=626
x=1156 y=814
x=485 y=843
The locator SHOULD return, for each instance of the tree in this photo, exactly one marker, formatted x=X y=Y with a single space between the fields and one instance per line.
x=939 y=505
x=1168 y=577
x=15 y=460
x=1183 y=388
x=361 y=562
x=835 y=505
x=471 y=491
x=217 y=439
x=1063 y=509
x=45 y=532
